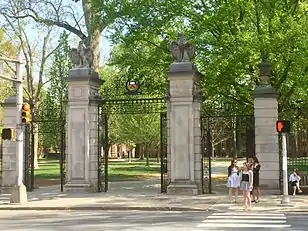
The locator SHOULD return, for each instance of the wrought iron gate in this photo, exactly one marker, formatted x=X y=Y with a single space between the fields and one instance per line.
x=225 y=137
x=297 y=143
x=128 y=106
x=102 y=153
x=163 y=153
x=28 y=157
x=51 y=129
x=1 y=161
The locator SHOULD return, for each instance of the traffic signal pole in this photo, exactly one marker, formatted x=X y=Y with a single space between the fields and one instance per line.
x=285 y=198
x=19 y=192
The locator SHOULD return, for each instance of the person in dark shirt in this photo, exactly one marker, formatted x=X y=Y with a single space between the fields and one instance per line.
x=246 y=184
x=256 y=176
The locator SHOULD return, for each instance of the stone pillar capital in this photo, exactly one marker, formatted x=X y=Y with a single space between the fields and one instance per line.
x=11 y=101
x=83 y=85
x=183 y=71
x=77 y=75
x=264 y=91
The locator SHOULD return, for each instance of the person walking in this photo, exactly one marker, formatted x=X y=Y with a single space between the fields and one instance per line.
x=247 y=184
x=294 y=180
x=233 y=181
x=256 y=176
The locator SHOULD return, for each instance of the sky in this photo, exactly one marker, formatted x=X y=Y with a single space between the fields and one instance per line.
x=35 y=36
x=105 y=45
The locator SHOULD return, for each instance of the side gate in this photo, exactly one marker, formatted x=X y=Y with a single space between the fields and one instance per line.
x=297 y=144
x=47 y=131
x=163 y=153
x=1 y=161
x=222 y=139
x=102 y=151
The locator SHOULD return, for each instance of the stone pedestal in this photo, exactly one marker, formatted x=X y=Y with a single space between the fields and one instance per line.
x=9 y=158
x=184 y=132
x=266 y=137
x=19 y=194
x=82 y=130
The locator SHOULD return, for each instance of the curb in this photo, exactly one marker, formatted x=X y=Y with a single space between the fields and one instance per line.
x=104 y=208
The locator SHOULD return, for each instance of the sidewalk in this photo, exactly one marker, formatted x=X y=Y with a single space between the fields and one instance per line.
x=142 y=195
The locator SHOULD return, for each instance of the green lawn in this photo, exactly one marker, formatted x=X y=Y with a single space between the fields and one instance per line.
x=49 y=171
x=117 y=170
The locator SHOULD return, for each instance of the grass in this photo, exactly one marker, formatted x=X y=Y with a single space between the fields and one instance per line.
x=135 y=170
x=49 y=171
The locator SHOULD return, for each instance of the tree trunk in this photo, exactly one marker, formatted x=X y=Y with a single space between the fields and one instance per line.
x=142 y=152
x=157 y=154
x=129 y=152
x=148 y=156
x=94 y=33
x=35 y=141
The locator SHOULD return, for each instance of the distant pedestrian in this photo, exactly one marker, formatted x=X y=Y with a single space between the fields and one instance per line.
x=294 y=180
x=247 y=184
x=256 y=176
x=233 y=180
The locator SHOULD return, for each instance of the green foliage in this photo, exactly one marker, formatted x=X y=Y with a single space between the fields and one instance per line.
x=134 y=129
x=8 y=50
x=129 y=128
x=231 y=37
x=53 y=110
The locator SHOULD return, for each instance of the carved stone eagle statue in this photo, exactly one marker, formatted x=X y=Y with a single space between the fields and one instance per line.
x=82 y=56
x=181 y=50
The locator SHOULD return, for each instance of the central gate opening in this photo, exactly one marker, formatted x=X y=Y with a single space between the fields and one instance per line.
x=132 y=134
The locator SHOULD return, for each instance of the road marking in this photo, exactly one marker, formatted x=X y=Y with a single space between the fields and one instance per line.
x=219 y=220
x=220 y=225
x=241 y=213
x=245 y=217
x=238 y=220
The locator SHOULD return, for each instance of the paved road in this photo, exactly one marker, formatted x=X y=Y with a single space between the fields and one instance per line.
x=149 y=221
x=98 y=220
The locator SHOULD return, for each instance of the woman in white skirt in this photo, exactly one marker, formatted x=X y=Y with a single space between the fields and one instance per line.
x=233 y=180
x=247 y=185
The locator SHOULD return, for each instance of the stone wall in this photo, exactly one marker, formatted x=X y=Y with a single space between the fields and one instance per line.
x=9 y=160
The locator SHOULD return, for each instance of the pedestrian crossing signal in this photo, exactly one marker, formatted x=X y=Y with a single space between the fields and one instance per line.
x=25 y=113
x=7 y=134
x=283 y=126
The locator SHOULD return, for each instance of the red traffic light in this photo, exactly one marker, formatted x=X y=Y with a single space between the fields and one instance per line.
x=283 y=126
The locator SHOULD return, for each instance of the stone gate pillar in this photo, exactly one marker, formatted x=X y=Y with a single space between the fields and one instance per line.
x=184 y=125
x=82 y=130
x=9 y=158
x=266 y=137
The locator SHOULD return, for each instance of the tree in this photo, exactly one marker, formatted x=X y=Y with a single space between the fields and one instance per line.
x=53 y=113
x=36 y=54
x=231 y=38
x=8 y=50
x=88 y=27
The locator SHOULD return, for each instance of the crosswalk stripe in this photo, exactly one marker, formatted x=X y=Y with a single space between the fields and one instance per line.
x=219 y=220
x=249 y=214
x=246 y=221
x=244 y=217
x=220 y=225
